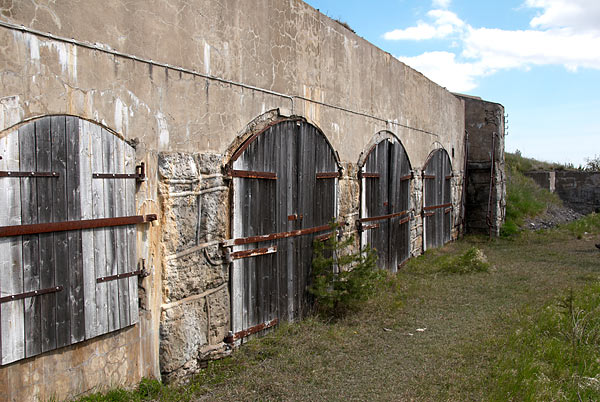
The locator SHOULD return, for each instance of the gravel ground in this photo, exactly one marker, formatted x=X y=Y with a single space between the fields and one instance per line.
x=554 y=216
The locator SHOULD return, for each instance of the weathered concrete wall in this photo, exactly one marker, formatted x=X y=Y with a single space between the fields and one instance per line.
x=580 y=191
x=485 y=201
x=189 y=82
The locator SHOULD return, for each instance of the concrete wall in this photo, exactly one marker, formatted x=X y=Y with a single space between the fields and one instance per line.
x=189 y=82
x=485 y=201
x=580 y=191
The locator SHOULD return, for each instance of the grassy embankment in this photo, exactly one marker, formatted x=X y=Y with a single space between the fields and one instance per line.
x=448 y=326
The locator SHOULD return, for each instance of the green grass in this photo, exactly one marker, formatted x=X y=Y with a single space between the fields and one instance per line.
x=553 y=352
x=433 y=334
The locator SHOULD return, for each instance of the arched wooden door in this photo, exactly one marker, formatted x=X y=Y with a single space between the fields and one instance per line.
x=385 y=197
x=284 y=193
x=437 y=207
x=68 y=265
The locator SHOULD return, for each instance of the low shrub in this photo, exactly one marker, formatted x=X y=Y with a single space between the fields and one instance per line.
x=473 y=260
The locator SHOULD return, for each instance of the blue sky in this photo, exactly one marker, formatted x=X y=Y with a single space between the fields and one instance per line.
x=539 y=58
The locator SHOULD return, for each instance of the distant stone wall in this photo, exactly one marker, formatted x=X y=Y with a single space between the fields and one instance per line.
x=580 y=191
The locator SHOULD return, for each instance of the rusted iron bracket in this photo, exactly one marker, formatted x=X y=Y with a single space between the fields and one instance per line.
x=139 y=175
x=368 y=175
x=274 y=236
x=6 y=173
x=407 y=177
x=382 y=217
x=19 y=230
x=428 y=176
x=232 y=337
x=369 y=227
x=449 y=176
x=249 y=174
x=140 y=272
x=33 y=293
x=426 y=214
x=449 y=204
x=295 y=217
x=328 y=175
x=253 y=253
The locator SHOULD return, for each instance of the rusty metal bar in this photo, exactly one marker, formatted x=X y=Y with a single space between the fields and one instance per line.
x=428 y=213
x=428 y=176
x=379 y=218
x=449 y=204
x=324 y=236
x=274 y=236
x=247 y=174
x=295 y=217
x=38 y=228
x=404 y=220
x=252 y=330
x=253 y=253
x=139 y=175
x=407 y=177
x=369 y=175
x=33 y=293
x=328 y=175
x=447 y=210
x=449 y=176
x=120 y=276
x=5 y=173
x=368 y=227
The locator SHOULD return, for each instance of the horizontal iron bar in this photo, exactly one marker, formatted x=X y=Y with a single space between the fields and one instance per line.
x=28 y=174
x=404 y=220
x=447 y=210
x=33 y=293
x=253 y=175
x=274 y=236
x=253 y=253
x=367 y=227
x=252 y=330
x=407 y=177
x=328 y=175
x=324 y=236
x=428 y=213
x=38 y=228
x=429 y=176
x=449 y=176
x=120 y=276
x=368 y=175
x=379 y=218
x=437 y=206
x=117 y=176
x=295 y=217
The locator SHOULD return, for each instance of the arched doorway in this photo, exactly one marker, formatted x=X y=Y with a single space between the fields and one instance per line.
x=437 y=201
x=284 y=193
x=385 y=198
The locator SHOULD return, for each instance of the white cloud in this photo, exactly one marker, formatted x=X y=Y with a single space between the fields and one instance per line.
x=445 y=23
x=565 y=32
x=441 y=3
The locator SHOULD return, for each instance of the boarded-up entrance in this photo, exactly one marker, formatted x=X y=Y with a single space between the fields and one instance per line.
x=437 y=208
x=385 y=196
x=68 y=268
x=284 y=193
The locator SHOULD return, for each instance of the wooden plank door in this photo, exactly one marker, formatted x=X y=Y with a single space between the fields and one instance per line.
x=278 y=195
x=437 y=205
x=385 y=192
x=50 y=296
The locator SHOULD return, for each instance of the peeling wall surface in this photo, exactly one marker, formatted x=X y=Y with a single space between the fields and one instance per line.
x=188 y=83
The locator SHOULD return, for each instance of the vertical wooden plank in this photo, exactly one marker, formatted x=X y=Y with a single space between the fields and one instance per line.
x=61 y=244
x=130 y=234
x=12 y=333
x=30 y=252
x=74 y=238
x=87 y=236
x=46 y=240
x=98 y=211
x=121 y=234
x=108 y=166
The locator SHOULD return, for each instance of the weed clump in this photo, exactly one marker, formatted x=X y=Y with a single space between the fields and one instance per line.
x=473 y=260
x=341 y=279
x=553 y=354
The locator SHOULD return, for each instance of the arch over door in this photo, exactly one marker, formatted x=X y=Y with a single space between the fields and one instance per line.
x=284 y=192
x=67 y=240
x=385 y=197
x=437 y=209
